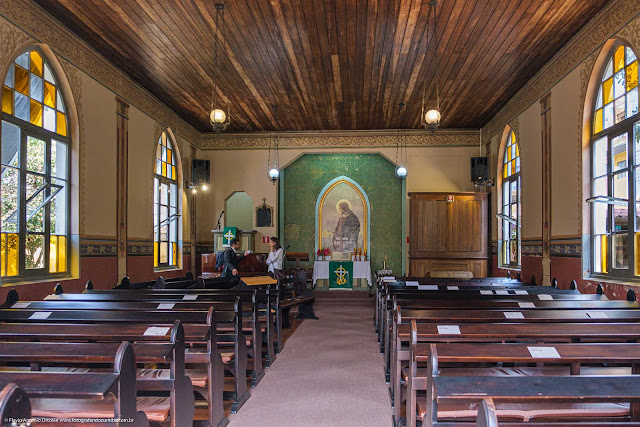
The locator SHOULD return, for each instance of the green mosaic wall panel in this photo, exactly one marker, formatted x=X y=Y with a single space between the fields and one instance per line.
x=304 y=179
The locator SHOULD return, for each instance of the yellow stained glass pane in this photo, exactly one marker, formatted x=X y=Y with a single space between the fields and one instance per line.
x=169 y=156
x=504 y=171
x=632 y=75
x=22 y=80
x=513 y=167
x=517 y=150
x=607 y=90
x=53 y=254
x=36 y=113
x=164 y=169
x=618 y=61
x=36 y=63
x=174 y=249
x=3 y=254
x=12 y=254
x=155 y=254
x=597 y=121
x=173 y=172
x=7 y=100
x=509 y=152
x=49 y=95
x=603 y=253
x=61 y=124
x=62 y=254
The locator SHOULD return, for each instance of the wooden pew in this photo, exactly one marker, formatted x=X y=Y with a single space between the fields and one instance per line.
x=86 y=395
x=137 y=332
x=237 y=364
x=500 y=332
x=180 y=404
x=447 y=385
x=255 y=299
x=14 y=404
x=389 y=314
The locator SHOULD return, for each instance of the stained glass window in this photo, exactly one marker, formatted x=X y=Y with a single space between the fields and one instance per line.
x=615 y=169
x=511 y=206
x=35 y=171
x=166 y=215
x=617 y=97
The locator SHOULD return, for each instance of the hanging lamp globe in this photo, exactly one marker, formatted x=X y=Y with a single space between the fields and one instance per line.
x=219 y=120
x=274 y=173
x=432 y=120
x=401 y=172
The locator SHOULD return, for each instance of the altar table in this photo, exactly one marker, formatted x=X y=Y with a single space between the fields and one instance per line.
x=361 y=270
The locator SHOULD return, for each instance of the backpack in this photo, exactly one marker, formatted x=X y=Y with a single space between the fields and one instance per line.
x=219 y=260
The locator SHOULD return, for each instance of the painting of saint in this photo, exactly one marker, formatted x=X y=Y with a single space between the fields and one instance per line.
x=342 y=217
x=345 y=236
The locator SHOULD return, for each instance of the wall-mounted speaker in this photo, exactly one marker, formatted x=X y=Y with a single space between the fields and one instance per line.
x=480 y=170
x=200 y=171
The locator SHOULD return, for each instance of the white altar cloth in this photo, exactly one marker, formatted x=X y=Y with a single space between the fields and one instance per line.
x=361 y=270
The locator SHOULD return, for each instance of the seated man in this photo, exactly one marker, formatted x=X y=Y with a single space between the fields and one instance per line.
x=231 y=261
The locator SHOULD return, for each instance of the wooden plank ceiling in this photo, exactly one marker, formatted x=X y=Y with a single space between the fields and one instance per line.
x=329 y=64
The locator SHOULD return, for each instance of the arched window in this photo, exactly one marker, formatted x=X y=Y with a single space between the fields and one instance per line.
x=35 y=171
x=615 y=159
x=511 y=209
x=166 y=214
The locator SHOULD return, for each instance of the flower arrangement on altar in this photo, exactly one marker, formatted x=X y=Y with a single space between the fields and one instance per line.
x=323 y=253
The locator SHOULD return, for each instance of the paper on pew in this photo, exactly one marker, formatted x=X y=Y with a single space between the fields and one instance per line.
x=544 y=352
x=453 y=288
x=526 y=305
x=427 y=287
x=589 y=304
x=52 y=296
x=449 y=329
x=597 y=314
x=21 y=305
x=388 y=278
x=502 y=292
x=166 y=306
x=545 y=297
x=521 y=292
x=156 y=331
x=412 y=283
x=190 y=297
x=40 y=315
x=484 y=292
x=513 y=315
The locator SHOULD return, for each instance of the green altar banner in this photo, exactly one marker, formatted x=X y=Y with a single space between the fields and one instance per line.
x=341 y=274
x=228 y=234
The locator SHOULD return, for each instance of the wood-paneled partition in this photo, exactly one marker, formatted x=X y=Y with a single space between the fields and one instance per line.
x=448 y=233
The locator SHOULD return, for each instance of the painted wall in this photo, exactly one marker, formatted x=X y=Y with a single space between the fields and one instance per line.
x=303 y=181
x=239 y=211
x=95 y=166
x=431 y=168
x=566 y=77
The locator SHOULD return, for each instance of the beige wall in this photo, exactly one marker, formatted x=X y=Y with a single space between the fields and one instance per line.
x=430 y=169
x=99 y=145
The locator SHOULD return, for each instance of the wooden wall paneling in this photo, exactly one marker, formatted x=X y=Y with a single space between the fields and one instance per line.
x=329 y=64
x=449 y=236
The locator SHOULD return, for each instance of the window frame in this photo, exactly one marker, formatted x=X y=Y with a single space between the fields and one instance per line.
x=515 y=177
x=157 y=184
x=28 y=129
x=625 y=127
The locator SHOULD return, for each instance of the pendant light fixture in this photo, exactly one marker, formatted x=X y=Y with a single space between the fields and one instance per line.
x=401 y=148
x=430 y=119
x=273 y=170
x=218 y=117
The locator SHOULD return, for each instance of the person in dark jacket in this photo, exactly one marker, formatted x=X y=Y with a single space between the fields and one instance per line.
x=231 y=261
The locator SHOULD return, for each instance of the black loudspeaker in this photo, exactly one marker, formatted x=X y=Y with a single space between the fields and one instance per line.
x=479 y=170
x=200 y=171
